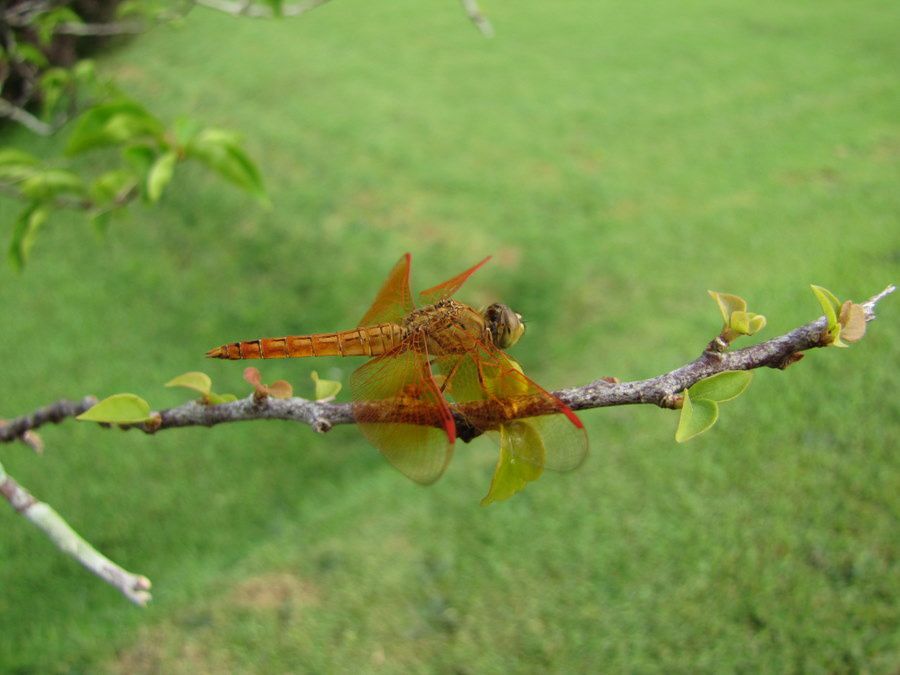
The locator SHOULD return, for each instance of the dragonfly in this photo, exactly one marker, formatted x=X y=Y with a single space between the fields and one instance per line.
x=432 y=361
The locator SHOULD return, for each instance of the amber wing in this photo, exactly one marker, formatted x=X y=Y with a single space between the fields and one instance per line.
x=437 y=293
x=490 y=389
x=400 y=410
x=394 y=300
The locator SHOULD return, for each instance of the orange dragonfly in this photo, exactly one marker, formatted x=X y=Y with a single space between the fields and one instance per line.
x=425 y=359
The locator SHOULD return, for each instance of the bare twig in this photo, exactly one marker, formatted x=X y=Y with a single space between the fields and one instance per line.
x=101 y=29
x=135 y=587
x=14 y=429
x=661 y=390
x=477 y=17
x=25 y=118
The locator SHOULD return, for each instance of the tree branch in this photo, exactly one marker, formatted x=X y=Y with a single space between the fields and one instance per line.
x=25 y=118
x=135 y=587
x=101 y=29
x=663 y=390
x=11 y=430
x=477 y=17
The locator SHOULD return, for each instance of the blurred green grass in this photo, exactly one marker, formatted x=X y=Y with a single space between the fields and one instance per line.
x=618 y=160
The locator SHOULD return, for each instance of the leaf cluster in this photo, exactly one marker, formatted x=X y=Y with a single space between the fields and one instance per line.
x=148 y=154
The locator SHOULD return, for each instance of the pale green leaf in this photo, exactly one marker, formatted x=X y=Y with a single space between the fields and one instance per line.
x=194 y=380
x=696 y=417
x=723 y=386
x=220 y=151
x=521 y=461
x=216 y=399
x=140 y=155
x=118 y=409
x=160 y=175
x=16 y=165
x=13 y=156
x=52 y=182
x=55 y=82
x=830 y=304
x=728 y=304
x=326 y=390
x=24 y=232
x=113 y=123
x=47 y=22
x=834 y=337
x=757 y=323
x=740 y=322
x=30 y=54
x=112 y=186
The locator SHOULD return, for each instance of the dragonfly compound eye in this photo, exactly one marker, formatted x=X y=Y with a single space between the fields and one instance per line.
x=505 y=325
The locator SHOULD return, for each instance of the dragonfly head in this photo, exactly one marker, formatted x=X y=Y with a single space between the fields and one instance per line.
x=505 y=326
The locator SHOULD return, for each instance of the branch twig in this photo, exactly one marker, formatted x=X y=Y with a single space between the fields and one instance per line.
x=25 y=118
x=14 y=429
x=477 y=17
x=135 y=587
x=101 y=29
x=661 y=390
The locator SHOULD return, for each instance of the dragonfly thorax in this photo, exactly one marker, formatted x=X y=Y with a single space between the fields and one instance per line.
x=449 y=327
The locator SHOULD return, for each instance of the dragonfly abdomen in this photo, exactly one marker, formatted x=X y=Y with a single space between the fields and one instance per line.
x=367 y=341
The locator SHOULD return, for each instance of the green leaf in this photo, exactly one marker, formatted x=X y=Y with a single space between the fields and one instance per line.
x=220 y=151
x=112 y=186
x=521 y=461
x=728 y=304
x=722 y=387
x=52 y=182
x=85 y=71
x=54 y=84
x=834 y=337
x=830 y=304
x=46 y=23
x=757 y=323
x=13 y=156
x=140 y=155
x=113 y=123
x=740 y=322
x=24 y=231
x=696 y=417
x=216 y=399
x=326 y=390
x=160 y=175
x=16 y=165
x=30 y=54
x=118 y=409
x=194 y=380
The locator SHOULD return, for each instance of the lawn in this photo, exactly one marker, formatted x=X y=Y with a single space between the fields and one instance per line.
x=618 y=159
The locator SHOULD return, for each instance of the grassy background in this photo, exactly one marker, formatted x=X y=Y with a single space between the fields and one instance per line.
x=618 y=159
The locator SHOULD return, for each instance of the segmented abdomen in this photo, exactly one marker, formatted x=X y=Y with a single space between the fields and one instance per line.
x=368 y=341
